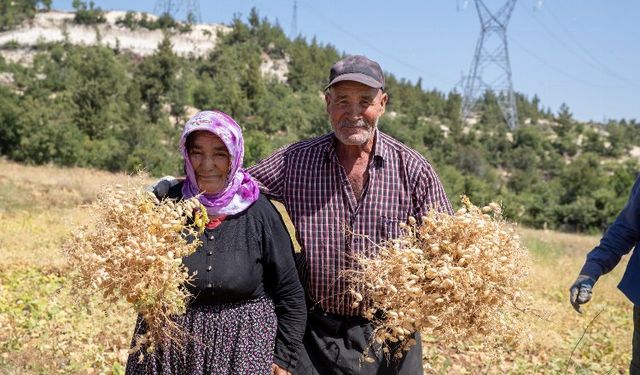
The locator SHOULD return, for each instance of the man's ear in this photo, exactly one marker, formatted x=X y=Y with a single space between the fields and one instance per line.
x=327 y=99
x=383 y=102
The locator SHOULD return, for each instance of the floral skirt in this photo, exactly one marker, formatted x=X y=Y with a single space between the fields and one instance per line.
x=232 y=338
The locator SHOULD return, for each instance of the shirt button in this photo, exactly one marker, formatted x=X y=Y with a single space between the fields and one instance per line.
x=208 y=268
x=209 y=252
x=211 y=237
x=209 y=285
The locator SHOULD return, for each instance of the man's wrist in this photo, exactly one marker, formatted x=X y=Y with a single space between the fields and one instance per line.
x=591 y=270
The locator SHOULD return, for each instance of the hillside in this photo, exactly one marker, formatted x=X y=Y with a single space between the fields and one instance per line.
x=111 y=90
x=21 y=44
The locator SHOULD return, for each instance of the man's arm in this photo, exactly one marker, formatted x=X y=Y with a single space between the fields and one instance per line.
x=617 y=241
x=429 y=193
x=270 y=173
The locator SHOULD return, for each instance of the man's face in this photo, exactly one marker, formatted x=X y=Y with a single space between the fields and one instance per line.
x=354 y=110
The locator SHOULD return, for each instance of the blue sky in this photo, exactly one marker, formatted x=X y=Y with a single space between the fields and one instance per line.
x=581 y=52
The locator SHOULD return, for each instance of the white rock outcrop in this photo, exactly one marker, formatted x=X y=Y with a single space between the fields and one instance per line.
x=56 y=26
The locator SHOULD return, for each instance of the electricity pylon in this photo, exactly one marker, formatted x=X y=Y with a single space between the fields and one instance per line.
x=294 y=21
x=491 y=69
x=175 y=8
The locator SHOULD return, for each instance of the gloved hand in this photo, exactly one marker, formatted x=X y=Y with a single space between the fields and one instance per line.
x=161 y=187
x=580 y=292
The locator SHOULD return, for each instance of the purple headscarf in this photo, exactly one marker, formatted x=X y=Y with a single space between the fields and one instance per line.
x=240 y=190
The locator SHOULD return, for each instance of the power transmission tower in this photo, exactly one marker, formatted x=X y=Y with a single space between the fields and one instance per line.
x=190 y=9
x=491 y=69
x=294 y=21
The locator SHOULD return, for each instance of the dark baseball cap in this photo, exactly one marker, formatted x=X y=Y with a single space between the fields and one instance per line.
x=359 y=69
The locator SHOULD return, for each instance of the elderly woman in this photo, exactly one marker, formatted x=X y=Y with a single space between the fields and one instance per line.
x=248 y=314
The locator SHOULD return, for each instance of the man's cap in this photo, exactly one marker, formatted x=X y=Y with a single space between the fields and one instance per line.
x=359 y=69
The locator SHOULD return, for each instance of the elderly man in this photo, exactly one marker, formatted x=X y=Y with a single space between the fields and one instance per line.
x=618 y=240
x=345 y=192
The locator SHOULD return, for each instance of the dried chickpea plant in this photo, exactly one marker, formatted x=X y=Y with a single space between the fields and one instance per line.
x=451 y=277
x=132 y=250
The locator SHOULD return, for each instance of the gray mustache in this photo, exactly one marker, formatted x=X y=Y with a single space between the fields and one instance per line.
x=357 y=124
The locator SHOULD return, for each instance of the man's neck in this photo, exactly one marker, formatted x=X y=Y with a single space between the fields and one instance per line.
x=355 y=161
x=351 y=153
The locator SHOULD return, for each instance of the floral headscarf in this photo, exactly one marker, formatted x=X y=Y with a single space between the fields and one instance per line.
x=240 y=190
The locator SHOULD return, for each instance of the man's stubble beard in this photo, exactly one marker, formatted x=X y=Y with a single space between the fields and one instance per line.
x=361 y=138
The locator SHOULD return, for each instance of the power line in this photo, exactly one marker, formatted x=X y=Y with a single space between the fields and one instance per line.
x=555 y=68
x=369 y=45
x=586 y=50
x=461 y=6
x=598 y=67
x=538 y=4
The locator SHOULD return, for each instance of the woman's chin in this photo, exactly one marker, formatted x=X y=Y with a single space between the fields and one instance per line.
x=210 y=188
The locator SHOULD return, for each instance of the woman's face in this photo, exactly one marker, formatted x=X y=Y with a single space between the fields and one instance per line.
x=210 y=160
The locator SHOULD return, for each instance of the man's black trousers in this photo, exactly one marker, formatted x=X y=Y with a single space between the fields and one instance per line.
x=333 y=345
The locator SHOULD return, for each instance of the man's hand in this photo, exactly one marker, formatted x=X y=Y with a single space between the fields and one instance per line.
x=580 y=292
x=277 y=370
x=161 y=187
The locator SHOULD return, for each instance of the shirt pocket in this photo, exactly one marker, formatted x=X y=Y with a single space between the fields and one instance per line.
x=390 y=228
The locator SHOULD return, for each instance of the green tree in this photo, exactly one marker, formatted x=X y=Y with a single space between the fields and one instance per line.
x=452 y=107
x=565 y=120
x=156 y=78
x=309 y=64
x=87 y=14
x=14 y=12
x=580 y=177
x=42 y=139
x=10 y=121
x=97 y=91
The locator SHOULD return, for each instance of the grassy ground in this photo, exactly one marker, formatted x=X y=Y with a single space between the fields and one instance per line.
x=45 y=329
x=555 y=330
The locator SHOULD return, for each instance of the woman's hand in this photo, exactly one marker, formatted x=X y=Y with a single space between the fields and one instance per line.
x=277 y=370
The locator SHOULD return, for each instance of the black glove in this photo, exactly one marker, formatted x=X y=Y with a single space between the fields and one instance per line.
x=580 y=291
x=161 y=187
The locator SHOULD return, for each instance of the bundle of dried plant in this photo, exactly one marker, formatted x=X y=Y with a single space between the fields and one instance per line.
x=132 y=250
x=451 y=277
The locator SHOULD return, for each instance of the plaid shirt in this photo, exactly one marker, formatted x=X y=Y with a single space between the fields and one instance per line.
x=331 y=224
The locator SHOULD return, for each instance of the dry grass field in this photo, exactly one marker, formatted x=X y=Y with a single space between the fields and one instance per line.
x=44 y=329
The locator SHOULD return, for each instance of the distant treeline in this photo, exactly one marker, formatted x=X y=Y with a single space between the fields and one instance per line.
x=14 y=12
x=103 y=108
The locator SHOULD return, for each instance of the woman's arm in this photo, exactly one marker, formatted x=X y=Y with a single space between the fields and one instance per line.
x=282 y=282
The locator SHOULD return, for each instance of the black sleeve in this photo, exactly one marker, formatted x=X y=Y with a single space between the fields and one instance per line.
x=175 y=192
x=283 y=284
